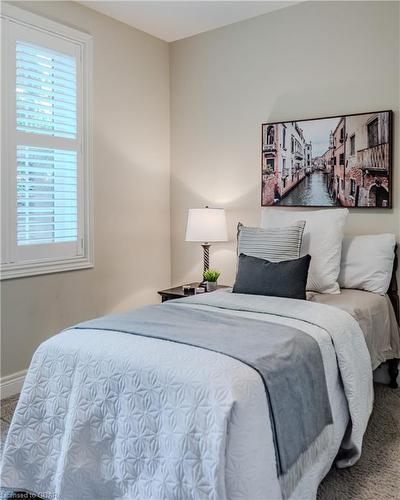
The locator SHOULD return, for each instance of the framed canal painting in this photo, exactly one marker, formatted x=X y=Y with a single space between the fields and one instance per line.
x=342 y=161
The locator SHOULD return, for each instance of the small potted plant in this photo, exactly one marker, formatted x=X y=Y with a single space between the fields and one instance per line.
x=211 y=277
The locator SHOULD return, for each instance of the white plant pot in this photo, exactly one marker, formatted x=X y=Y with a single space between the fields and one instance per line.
x=211 y=286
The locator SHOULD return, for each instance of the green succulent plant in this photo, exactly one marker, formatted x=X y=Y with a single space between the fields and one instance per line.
x=211 y=275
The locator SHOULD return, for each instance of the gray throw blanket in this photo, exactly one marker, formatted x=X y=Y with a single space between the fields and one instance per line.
x=288 y=360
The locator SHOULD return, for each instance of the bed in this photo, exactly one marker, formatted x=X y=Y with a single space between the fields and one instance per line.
x=117 y=416
x=375 y=315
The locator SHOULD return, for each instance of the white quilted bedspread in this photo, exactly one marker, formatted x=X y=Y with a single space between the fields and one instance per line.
x=106 y=415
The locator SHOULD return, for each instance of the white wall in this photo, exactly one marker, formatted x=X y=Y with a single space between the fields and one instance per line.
x=313 y=59
x=131 y=191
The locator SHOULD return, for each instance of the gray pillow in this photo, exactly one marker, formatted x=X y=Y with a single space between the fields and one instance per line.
x=274 y=244
x=278 y=279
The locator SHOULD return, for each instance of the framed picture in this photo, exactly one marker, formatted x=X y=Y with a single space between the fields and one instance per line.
x=340 y=161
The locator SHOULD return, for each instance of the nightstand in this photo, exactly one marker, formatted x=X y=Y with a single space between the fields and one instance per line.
x=177 y=292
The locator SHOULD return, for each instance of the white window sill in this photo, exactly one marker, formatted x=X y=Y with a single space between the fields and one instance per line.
x=11 y=271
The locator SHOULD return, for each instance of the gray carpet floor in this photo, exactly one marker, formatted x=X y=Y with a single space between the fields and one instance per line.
x=376 y=476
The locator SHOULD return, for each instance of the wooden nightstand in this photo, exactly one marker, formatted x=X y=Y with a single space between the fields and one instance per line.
x=177 y=292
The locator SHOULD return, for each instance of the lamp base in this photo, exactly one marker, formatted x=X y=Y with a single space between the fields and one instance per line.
x=206 y=261
x=206 y=256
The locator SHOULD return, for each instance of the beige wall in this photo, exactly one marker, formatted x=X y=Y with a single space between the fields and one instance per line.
x=131 y=191
x=309 y=60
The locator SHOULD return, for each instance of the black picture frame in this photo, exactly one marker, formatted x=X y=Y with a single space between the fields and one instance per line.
x=355 y=171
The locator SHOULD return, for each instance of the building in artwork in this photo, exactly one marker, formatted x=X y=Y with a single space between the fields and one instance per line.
x=308 y=158
x=338 y=148
x=367 y=165
x=285 y=156
x=326 y=161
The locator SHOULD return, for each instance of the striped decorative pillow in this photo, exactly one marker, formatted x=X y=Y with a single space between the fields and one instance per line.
x=274 y=244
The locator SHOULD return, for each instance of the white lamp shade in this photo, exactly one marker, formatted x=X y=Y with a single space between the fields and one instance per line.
x=206 y=224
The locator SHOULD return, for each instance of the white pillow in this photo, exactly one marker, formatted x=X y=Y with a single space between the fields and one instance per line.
x=367 y=262
x=322 y=239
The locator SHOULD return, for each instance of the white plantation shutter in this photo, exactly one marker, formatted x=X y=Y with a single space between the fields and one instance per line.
x=46 y=196
x=45 y=167
x=46 y=84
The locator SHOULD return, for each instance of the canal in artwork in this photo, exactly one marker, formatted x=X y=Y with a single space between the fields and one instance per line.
x=312 y=190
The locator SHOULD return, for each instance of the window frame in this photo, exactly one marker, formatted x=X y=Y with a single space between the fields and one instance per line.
x=374 y=121
x=353 y=187
x=353 y=145
x=270 y=167
x=270 y=135
x=48 y=264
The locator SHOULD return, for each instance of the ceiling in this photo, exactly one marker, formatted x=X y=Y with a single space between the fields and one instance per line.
x=172 y=21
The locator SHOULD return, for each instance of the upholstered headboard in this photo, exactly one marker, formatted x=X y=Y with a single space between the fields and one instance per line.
x=393 y=291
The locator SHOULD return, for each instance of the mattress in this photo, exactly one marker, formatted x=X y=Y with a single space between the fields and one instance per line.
x=375 y=315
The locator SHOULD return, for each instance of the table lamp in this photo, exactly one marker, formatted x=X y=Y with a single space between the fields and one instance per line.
x=206 y=225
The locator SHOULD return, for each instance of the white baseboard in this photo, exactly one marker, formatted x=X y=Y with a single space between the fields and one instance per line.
x=12 y=384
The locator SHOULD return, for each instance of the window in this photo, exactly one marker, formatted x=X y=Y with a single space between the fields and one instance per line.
x=270 y=166
x=373 y=138
x=292 y=144
x=352 y=187
x=283 y=137
x=352 y=145
x=341 y=159
x=270 y=135
x=46 y=153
